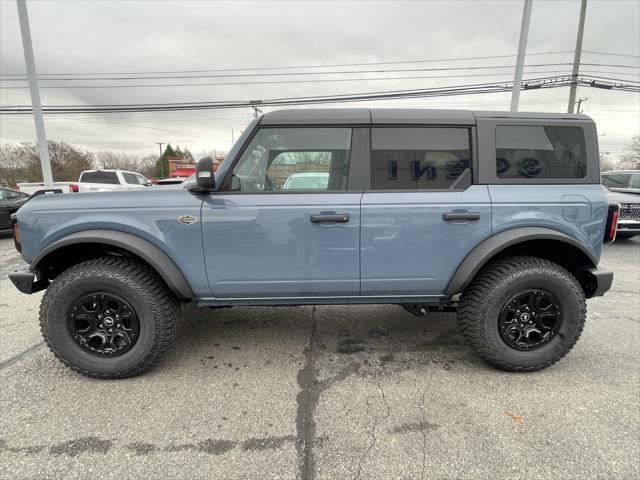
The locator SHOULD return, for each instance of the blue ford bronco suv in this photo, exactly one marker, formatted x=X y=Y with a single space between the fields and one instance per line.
x=498 y=216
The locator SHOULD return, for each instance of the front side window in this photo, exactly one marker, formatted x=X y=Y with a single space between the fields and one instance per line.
x=129 y=178
x=294 y=159
x=634 y=182
x=420 y=158
x=540 y=152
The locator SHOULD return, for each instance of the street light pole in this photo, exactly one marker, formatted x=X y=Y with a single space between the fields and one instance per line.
x=522 y=48
x=30 y=62
x=576 y=58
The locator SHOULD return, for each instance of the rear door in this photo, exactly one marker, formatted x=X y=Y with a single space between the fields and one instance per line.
x=422 y=215
x=264 y=241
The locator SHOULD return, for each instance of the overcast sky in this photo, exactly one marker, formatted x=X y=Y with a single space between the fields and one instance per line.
x=151 y=36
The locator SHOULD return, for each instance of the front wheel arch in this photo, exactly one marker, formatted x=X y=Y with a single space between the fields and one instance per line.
x=86 y=245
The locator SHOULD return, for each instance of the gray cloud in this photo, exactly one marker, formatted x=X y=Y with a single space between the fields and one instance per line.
x=122 y=36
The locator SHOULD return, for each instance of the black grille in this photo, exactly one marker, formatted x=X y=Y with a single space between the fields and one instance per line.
x=630 y=211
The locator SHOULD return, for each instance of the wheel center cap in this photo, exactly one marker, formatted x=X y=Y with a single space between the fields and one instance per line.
x=108 y=321
x=524 y=317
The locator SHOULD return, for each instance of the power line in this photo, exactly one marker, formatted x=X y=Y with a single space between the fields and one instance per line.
x=241 y=69
x=611 y=54
x=337 y=72
x=473 y=89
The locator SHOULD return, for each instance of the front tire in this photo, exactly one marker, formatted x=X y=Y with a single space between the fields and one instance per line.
x=522 y=313
x=111 y=317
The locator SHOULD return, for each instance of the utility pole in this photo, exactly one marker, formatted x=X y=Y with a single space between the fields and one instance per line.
x=233 y=140
x=522 y=49
x=576 y=58
x=160 y=158
x=30 y=62
x=580 y=100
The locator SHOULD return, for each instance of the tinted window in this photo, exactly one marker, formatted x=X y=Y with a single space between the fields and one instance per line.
x=635 y=181
x=100 y=176
x=614 y=180
x=420 y=158
x=294 y=159
x=134 y=178
x=540 y=152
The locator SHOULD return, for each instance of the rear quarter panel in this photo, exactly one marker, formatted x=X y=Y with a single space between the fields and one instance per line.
x=579 y=211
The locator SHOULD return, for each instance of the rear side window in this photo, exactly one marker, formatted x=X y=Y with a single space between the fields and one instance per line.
x=100 y=176
x=433 y=158
x=540 y=152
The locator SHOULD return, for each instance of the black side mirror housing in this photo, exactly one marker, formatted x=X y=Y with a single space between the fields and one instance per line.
x=205 y=179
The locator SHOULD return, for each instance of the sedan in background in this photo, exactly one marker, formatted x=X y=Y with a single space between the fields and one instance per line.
x=10 y=202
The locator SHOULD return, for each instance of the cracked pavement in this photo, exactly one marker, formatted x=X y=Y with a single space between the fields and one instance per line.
x=327 y=392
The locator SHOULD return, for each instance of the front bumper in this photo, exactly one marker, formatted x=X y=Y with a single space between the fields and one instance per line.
x=599 y=281
x=27 y=281
x=629 y=226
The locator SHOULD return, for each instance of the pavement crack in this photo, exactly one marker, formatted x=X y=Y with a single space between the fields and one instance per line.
x=423 y=422
x=307 y=401
x=377 y=421
x=311 y=388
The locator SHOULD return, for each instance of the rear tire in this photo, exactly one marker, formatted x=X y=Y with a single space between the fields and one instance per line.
x=490 y=325
x=127 y=317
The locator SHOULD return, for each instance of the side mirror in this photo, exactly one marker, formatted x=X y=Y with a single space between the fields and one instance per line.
x=205 y=180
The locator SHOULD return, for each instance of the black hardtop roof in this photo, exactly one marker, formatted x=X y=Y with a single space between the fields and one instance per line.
x=422 y=116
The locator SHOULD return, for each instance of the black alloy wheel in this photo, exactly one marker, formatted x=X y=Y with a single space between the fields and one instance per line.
x=103 y=324
x=530 y=319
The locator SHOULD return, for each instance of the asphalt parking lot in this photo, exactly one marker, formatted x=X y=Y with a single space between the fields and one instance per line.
x=358 y=392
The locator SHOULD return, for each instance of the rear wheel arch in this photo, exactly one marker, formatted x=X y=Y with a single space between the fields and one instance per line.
x=537 y=242
x=81 y=246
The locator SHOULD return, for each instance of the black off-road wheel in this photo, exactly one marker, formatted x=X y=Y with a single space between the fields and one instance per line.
x=111 y=317
x=522 y=313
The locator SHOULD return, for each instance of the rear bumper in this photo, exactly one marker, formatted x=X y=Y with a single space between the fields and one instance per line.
x=600 y=280
x=26 y=281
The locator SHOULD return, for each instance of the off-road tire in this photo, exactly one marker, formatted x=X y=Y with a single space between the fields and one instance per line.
x=497 y=282
x=157 y=310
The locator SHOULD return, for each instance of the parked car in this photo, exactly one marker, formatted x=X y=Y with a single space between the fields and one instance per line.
x=623 y=181
x=33 y=187
x=110 y=180
x=629 y=220
x=307 y=181
x=94 y=181
x=10 y=202
x=500 y=217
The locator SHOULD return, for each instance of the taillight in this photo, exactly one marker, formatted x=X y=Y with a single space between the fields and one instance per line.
x=73 y=188
x=612 y=222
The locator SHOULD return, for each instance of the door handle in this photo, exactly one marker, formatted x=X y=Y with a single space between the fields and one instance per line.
x=323 y=217
x=449 y=216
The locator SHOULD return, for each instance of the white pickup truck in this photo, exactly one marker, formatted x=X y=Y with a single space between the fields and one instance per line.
x=94 y=181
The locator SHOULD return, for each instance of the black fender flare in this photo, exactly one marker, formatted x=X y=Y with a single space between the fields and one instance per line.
x=144 y=249
x=493 y=245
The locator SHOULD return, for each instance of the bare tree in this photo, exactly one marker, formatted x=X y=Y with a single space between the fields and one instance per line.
x=630 y=158
x=117 y=161
x=147 y=166
x=21 y=162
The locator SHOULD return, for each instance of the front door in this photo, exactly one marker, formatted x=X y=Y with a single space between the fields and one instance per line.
x=285 y=225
